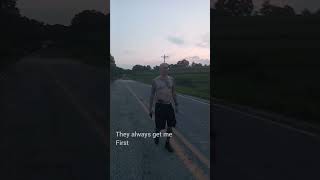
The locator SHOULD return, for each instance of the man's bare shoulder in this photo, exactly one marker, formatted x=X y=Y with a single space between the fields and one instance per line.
x=171 y=78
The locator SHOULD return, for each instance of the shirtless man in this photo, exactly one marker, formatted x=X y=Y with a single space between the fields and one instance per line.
x=163 y=91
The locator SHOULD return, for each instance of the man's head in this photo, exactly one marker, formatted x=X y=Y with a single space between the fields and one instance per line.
x=164 y=69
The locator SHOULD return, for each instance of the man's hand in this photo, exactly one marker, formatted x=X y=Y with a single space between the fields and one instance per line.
x=177 y=109
x=150 y=113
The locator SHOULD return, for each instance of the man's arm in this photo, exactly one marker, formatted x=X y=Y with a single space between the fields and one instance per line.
x=174 y=94
x=153 y=92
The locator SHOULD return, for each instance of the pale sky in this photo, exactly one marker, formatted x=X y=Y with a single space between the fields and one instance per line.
x=143 y=30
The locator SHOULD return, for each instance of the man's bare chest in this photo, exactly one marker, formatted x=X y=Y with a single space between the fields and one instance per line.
x=164 y=84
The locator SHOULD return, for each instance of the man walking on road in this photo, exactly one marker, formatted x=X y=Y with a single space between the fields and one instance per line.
x=163 y=91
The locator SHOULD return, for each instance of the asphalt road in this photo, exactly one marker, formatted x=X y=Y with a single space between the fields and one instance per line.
x=53 y=114
x=245 y=146
x=142 y=159
x=255 y=148
x=52 y=127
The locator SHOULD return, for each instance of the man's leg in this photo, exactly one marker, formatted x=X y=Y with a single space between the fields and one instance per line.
x=168 y=145
x=169 y=130
x=156 y=140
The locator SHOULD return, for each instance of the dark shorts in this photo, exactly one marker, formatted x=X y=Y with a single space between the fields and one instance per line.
x=164 y=113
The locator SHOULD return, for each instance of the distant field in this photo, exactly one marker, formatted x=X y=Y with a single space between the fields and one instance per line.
x=191 y=83
x=283 y=91
x=269 y=63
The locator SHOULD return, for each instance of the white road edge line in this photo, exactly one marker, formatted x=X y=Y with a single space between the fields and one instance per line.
x=193 y=99
x=268 y=120
x=194 y=168
x=253 y=116
x=193 y=149
x=181 y=95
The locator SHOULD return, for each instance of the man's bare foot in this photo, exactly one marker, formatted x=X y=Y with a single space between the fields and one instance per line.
x=156 y=140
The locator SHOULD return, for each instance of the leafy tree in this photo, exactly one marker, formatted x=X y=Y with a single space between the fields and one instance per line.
x=89 y=20
x=115 y=72
x=156 y=68
x=141 y=68
x=173 y=66
x=9 y=7
x=183 y=63
x=317 y=13
x=268 y=9
x=112 y=61
x=148 y=68
x=306 y=12
x=89 y=34
x=288 y=11
x=220 y=9
x=196 y=64
x=234 y=7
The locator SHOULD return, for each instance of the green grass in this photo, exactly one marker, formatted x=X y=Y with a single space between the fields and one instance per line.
x=190 y=83
x=287 y=98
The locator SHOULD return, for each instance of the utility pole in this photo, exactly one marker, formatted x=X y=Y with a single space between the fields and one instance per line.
x=164 y=58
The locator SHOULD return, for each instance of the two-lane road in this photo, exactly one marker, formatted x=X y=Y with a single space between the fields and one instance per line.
x=256 y=148
x=193 y=119
x=51 y=115
x=143 y=159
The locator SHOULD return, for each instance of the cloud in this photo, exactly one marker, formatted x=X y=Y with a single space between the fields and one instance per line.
x=197 y=59
x=176 y=40
x=205 y=41
x=204 y=61
x=128 y=52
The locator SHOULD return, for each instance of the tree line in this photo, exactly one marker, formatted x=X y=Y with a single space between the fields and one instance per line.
x=87 y=35
x=182 y=64
x=246 y=8
x=267 y=58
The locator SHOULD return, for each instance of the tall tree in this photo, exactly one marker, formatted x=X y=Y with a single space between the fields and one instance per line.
x=269 y=9
x=183 y=63
x=89 y=33
x=306 y=12
x=234 y=7
x=8 y=7
x=317 y=13
x=89 y=20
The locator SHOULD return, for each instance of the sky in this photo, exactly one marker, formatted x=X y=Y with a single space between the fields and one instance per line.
x=144 y=30
x=59 y=11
